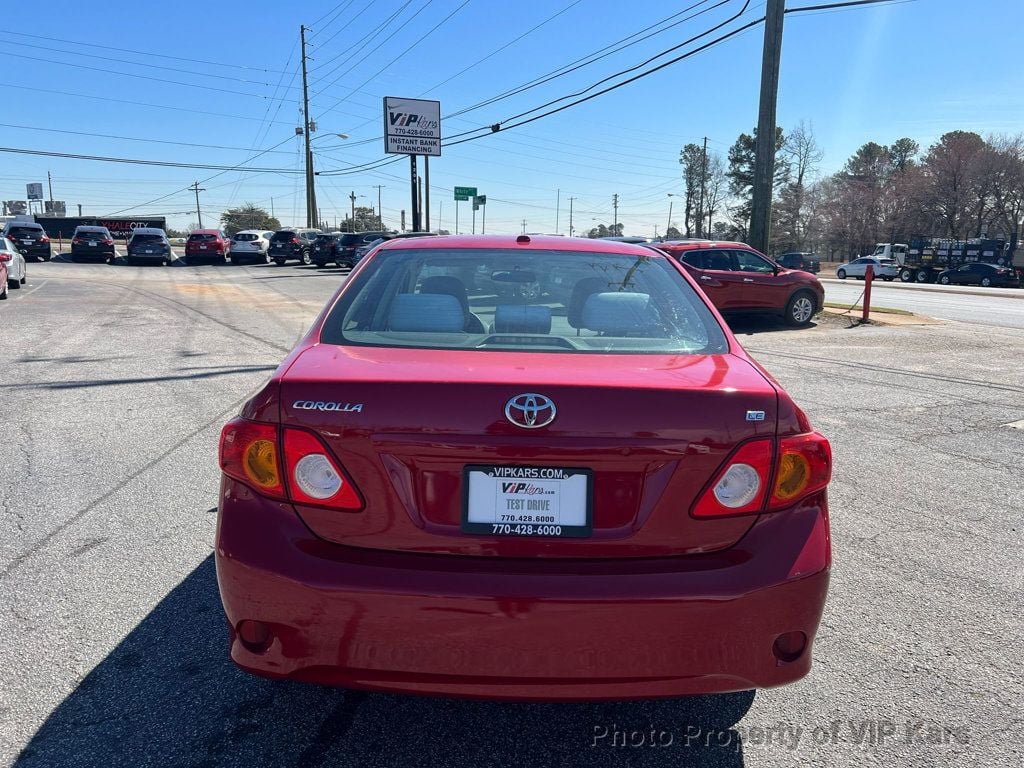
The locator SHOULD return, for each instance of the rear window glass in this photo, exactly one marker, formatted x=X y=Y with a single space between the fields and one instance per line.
x=25 y=230
x=283 y=237
x=246 y=237
x=508 y=300
x=201 y=238
x=147 y=239
x=349 y=239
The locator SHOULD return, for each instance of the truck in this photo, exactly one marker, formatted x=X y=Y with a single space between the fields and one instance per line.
x=924 y=258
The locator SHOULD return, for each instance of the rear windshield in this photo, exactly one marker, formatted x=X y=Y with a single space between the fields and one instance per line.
x=198 y=238
x=25 y=230
x=349 y=239
x=283 y=237
x=246 y=237
x=147 y=238
x=325 y=238
x=544 y=301
x=92 y=231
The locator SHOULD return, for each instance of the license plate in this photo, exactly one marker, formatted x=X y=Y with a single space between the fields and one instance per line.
x=26 y=242
x=202 y=247
x=149 y=250
x=527 y=501
x=92 y=243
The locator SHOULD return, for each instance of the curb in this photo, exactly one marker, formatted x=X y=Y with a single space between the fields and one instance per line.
x=1005 y=293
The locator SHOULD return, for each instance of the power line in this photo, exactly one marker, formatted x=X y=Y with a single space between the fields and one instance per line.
x=423 y=37
x=335 y=12
x=132 y=102
x=363 y=43
x=149 y=54
x=590 y=58
x=511 y=42
x=130 y=138
x=140 y=64
x=135 y=161
x=716 y=41
x=131 y=74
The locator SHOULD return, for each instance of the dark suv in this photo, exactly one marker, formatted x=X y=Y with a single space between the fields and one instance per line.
x=289 y=244
x=149 y=244
x=739 y=279
x=346 y=244
x=29 y=238
x=808 y=262
x=90 y=242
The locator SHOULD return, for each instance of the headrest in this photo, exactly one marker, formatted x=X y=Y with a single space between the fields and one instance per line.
x=617 y=313
x=582 y=291
x=515 y=318
x=446 y=284
x=426 y=313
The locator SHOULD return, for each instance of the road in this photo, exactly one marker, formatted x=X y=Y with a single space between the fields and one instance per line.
x=1002 y=307
x=116 y=381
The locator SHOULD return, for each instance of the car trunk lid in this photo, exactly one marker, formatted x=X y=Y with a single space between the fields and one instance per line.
x=649 y=430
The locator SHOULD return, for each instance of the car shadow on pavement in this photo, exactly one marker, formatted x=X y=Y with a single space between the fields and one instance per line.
x=764 y=323
x=168 y=695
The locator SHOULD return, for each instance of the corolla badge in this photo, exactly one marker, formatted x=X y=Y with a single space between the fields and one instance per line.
x=320 y=405
x=530 y=410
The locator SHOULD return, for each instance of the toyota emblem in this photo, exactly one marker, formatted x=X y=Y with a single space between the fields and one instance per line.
x=530 y=410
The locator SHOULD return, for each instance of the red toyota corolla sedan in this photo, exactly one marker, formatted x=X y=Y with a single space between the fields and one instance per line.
x=523 y=468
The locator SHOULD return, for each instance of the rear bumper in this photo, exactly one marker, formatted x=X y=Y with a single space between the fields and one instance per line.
x=85 y=252
x=520 y=629
x=149 y=256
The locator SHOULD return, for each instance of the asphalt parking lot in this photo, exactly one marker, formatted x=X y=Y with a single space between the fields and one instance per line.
x=116 y=382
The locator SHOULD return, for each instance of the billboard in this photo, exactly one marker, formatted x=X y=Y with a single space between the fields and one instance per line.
x=16 y=207
x=34 y=191
x=412 y=126
x=56 y=208
x=120 y=229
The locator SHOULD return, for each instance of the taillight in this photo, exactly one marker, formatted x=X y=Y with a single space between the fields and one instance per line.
x=44 y=239
x=746 y=483
x=314 y=477
x=250 y=452
x=108 y=241
x=77 y=240
x=295 y=240
x=740 y=486
x=804 y=467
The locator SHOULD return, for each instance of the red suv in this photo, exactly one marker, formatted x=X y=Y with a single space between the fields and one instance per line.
x=739 y=279
x=210 y=243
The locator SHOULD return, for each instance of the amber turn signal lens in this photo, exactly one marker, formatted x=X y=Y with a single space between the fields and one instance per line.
x=793 y=477
x=261 y=463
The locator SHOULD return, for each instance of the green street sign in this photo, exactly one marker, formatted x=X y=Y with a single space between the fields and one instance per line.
x=464 y=193
x=459 y=198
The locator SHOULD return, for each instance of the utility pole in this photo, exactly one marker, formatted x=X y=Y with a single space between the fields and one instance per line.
x=352 y=221
x=195 y=188
x=558 y=205
x=669 y=225
x=49 y=181
x=419 y=198
x=570 y=215
x=79 y=210
x=764 y=161
x=703 y=183
x=615 y=204
x=426 y=193
x=306 y=130
x=380 y=211
x=524 y=226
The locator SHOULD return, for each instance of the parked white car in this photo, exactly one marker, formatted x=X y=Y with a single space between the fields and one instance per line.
x=17 y=275
x=250 y=245
x=887 y=269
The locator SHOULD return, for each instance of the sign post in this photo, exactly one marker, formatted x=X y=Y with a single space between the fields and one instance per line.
x=480 y=201
x=461 y=194
x=412 y=127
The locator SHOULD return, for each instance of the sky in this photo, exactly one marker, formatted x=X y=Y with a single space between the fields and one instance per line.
x=218 y=83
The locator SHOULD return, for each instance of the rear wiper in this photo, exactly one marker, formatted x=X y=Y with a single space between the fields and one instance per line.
x=515 y=340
